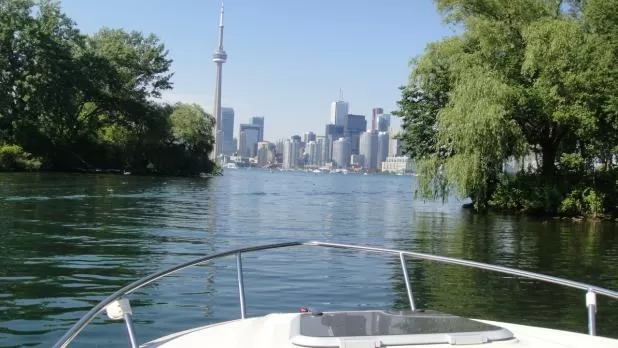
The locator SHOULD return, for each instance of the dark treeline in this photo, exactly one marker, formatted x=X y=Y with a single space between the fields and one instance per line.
x=70 y=101
x=528 y=80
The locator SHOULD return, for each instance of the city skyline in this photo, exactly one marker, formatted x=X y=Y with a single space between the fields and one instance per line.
x=288 y=59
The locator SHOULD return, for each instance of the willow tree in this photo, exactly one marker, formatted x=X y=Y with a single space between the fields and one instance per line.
x=600 y=19
x=514 y=83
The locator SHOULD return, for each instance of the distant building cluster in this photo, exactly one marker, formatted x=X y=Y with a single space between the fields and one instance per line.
x=349 y=142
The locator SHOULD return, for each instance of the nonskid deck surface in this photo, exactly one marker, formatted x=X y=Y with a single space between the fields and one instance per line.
x=370 y=329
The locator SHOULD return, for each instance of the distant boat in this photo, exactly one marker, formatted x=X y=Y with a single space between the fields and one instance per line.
x=230 y=165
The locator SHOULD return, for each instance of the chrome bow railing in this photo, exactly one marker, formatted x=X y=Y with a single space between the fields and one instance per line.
x=118 y=308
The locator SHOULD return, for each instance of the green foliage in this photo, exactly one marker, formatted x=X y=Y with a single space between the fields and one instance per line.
x=585 y=201
x=85 y=102
x=192 y=127
x=14 y=158
x=524 y=193
x=528 y=77
x=573 y=194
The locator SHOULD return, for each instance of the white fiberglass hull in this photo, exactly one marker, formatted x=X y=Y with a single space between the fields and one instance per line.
x=276 y=331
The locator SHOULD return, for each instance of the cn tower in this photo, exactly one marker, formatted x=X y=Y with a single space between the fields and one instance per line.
x=219 y=58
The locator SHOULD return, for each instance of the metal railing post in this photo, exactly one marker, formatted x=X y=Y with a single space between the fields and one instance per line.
x=402 y=259
x=241 y=286
x=591 y=303
x=128 y=320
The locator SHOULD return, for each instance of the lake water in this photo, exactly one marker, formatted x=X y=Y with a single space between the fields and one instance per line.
x=67 y=241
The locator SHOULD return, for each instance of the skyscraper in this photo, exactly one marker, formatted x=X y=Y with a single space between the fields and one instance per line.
x=369 y=149
x=341 y=153
x=374 y=116
x=384 y=122
x=394 y=146
x=259 y=121
x=290 y=153
x=308 y=136
x=383 y=147
x=320 y=141
x=311 y=149
x=296 y=138
x=249 y=135
x=219 y=57
x=332 y=133
x=264 y=154
x=326 y=149
x=227 y=125
x=355 y=125
x=338 y=111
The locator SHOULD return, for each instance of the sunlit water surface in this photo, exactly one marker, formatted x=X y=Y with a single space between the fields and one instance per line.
x=67 y=241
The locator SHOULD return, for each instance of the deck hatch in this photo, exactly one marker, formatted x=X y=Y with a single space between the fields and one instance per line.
x=393 y=328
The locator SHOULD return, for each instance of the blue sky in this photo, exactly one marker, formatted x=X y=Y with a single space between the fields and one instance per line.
x=287 y=59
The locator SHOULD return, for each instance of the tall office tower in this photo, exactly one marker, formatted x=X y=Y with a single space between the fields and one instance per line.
x=242 y=144
x=249 y=135
x=332 y=133
x=279 y=145
x=227 y=125
x=287 y=154
x=338 y=111
x=355 y=125
x=277 y=149
x=319 y=150
x=263 y=153
x=308 y=136
x=394 y=146
x=341 y=153
x=272 y=153
x=311 y=150
x=327 y=150
x=290 y=154
x=382 y=153
x=219 y=57
x=384 y=122
x=369 y=149
x=374 y=116
x=259 y=121
x=219 y=144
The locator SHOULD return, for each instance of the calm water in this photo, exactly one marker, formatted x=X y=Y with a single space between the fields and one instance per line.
x=67 y=241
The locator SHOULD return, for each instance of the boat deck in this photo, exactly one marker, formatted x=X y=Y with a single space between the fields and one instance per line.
x=277 y=330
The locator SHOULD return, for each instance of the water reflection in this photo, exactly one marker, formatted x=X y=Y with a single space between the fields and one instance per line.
x=69 y=240
x=583 y=252
x=75 y=238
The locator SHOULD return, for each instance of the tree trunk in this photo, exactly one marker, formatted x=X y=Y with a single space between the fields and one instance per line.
x=548 y=161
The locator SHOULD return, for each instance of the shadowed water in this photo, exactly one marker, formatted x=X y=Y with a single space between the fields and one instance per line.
x=67 y=241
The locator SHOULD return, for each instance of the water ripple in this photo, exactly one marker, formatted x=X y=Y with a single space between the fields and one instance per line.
x=70 y=240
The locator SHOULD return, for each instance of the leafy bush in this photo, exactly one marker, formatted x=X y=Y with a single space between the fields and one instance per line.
x=14 y=158
x=569 y=194
x=525 y=193
x=585 y=201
